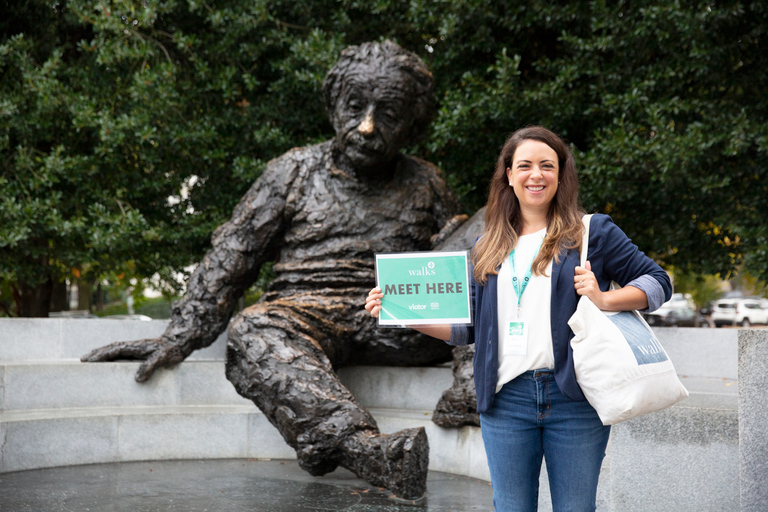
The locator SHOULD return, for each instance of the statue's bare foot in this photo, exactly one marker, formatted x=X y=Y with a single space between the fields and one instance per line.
x=396 y=461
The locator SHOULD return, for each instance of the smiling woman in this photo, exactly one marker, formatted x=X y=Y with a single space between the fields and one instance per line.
x=526 y=283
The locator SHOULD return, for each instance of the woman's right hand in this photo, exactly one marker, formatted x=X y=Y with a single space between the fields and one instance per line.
x=373 y=302
x=373 y=306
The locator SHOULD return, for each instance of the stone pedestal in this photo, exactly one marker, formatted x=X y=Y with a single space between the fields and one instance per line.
x=753 y=419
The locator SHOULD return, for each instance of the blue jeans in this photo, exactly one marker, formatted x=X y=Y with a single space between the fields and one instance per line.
x=531 y=418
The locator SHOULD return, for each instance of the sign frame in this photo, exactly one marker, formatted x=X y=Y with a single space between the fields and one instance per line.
x=453 y=307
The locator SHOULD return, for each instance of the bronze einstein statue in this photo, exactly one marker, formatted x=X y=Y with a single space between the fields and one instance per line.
x=321 y=212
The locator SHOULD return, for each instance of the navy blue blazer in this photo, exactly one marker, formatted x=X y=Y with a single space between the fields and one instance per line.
x=613 y=257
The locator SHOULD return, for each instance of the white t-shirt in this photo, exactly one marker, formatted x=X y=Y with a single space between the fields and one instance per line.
x=534 y=310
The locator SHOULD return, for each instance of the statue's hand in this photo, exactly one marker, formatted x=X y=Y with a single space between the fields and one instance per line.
x=155 y=352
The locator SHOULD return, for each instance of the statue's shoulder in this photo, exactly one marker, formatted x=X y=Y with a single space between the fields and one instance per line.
x=416 y=166
x=297 y=162
x=414 y=170
x=304 y=156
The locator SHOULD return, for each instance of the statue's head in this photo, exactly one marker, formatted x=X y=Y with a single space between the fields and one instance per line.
x=379 y=99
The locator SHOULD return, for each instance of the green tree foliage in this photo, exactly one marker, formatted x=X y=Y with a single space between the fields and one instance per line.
x=703 y=289
x=749 y=285
x=662 y=101
x=108 y=108
x=129 y=130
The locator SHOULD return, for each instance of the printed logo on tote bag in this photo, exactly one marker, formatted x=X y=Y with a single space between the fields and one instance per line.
x=643 y=343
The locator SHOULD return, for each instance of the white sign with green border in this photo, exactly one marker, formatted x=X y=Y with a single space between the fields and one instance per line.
x=424 y=288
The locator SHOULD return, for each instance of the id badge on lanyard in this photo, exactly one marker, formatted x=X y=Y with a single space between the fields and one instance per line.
x=516 y=338
x=516 y=335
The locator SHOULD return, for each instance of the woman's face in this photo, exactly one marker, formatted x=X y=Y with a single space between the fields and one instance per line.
x=534 y=175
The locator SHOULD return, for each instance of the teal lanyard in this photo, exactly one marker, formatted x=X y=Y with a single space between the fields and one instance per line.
x=516 y=284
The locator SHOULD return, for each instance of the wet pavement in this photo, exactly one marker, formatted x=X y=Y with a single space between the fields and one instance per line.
x=229 y=485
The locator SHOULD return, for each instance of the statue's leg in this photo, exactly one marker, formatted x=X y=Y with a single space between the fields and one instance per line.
x=458 y=405
x=275 y=358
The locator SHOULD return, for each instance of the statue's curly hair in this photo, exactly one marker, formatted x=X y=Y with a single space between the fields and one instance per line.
x=385 y=55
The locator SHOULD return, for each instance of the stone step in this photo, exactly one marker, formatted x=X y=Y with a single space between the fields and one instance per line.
x=70 y=383
x=66 y=436
x=50 y=384
x=33 y=339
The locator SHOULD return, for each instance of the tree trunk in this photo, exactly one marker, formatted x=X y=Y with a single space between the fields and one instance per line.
x=59 y=299
x=34 y=301
x=98 y=301
x=84 y=294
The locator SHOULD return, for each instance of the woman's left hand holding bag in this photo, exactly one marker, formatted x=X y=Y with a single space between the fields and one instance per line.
x=620 y=299
x=585 y=283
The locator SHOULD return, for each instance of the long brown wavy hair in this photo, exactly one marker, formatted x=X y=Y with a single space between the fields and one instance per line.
x=504 y=221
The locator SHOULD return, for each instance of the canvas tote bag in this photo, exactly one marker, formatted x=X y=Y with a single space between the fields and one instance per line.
x=620 y=365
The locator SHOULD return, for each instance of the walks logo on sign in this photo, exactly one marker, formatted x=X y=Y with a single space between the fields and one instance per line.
x=429 y=270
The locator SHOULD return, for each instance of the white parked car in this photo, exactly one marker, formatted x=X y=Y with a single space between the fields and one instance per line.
x=744 y=312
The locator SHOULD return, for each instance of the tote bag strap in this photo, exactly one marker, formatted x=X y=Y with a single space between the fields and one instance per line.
x=585 y=246
x=585 y=239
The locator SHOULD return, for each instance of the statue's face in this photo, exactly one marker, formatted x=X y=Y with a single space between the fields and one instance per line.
x=372 y=117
